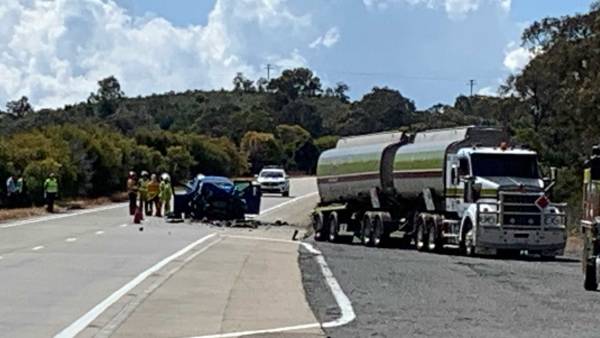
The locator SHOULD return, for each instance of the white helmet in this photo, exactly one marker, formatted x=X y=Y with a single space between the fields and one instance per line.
x=165 y=177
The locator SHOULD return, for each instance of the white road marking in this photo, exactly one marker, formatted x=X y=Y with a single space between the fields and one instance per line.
x=99 y=232
x=287 y=202
x=109 y=329
x=70 y=239
x=124 y=225
x=81 y=323
x=342 y=300
x=36 y=248
x=53 y=217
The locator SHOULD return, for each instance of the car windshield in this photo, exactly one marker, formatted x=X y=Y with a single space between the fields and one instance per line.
x=506 y=165
x=271 y=174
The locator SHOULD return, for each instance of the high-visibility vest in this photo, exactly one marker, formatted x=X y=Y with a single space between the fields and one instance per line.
x=165 y=191
x=153 y=187
x=51 y=185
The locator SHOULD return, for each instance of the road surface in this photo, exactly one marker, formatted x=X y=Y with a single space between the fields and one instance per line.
x=56 y=269
x=95 y=275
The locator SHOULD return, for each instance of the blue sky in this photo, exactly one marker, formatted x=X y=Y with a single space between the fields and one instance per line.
x=428 y=49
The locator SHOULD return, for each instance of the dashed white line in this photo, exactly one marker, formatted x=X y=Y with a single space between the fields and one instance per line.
x=70 y=239
x=124 y=225
x=99 y=232
x=36 y=248
x=59 y=216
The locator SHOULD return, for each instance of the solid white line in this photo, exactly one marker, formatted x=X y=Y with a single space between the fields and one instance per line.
x=255 y=332
x=53 y=217
x=262 y=213
x=81 y=323
x=70 y=239
x=342 y=300
x=36 y=248
x=99 y=232
x=124 y=225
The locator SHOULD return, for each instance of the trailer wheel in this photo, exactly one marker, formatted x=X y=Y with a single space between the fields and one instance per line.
x=366 y=232
x=378 y=231
x=319 y=227
x=421 y=237
x=334 y=227
x=590 y=283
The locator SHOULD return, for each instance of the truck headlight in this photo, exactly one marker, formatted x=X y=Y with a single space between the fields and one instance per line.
x=552 y=220
x=488 y=219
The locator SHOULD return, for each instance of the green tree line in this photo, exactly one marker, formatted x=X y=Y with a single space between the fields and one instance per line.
x=551 y=106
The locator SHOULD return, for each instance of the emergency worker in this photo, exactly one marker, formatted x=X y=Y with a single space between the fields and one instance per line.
x=153 y=199
x=132 y=192
x=143 y=192
x=50 y=191
x=166 y=192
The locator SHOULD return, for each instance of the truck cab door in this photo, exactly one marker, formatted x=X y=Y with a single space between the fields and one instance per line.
x=250 y=192
x=454 y=185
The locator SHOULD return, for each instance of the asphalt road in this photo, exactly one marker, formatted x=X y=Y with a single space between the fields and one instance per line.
x=55 y=270
x=404 y=293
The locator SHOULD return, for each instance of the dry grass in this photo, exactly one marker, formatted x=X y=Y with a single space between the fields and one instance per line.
x=62 y=206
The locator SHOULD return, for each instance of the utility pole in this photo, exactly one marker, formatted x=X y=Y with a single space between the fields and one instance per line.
x=269 y=71
x=471 y=84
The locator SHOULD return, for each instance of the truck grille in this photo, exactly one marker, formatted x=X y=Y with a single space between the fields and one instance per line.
x=520 y=210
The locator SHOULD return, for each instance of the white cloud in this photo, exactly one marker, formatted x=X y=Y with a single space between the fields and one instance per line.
x=456 y=9
x=488 y=91
x=329 y=39
x=54 y=52
x=516 y=58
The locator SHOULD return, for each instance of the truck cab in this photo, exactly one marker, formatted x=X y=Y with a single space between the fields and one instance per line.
x=502 y=202
x=590 y=222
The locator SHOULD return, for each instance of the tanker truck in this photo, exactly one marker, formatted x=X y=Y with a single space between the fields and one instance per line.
x=590 y=222
x=465 y=188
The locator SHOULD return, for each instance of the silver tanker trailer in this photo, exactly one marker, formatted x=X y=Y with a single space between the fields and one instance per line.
x=463 y=187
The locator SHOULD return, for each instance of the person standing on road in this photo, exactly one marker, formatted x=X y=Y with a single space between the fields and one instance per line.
x=132 y=192
x=11 y=191
x=143 y=192
x=153 y=190
x=166 y=192
x=51 y=191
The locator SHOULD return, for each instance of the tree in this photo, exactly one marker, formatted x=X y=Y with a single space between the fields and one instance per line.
x=295 y=83
x=261 y=149
x=243 y=84
x=20 y=107
x=180 y=162
x=109 y=90
x=340 y=91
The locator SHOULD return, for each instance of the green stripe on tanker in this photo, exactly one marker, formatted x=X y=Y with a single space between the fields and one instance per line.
x=419 y=161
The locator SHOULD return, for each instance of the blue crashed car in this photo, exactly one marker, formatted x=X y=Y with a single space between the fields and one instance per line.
x=217 y=198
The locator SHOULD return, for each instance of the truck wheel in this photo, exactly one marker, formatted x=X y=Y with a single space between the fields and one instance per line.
x=590 y=283
x=378 y=232
x=466 y=243
x=421 y=237
x=334 y=227
x=469 y=247
x=318 y=226
x=433 y=244
x=366 y=232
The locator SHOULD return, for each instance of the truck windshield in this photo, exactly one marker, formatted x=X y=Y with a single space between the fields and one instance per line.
x=505 y=165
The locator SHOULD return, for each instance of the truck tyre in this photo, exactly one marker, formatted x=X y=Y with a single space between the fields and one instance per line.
x=319 y=227
x=466 y=244
x=433 y=240
x=366 y=233
x=421 y=235
x=590 y=283
x=378 y=231
x=334 y=227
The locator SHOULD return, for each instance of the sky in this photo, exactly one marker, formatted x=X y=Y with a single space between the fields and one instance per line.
x=55 y=51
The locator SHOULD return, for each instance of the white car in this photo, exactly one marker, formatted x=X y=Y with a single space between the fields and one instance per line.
x=274 y=180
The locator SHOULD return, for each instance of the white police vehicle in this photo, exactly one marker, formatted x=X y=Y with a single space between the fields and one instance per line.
x=274 y=180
